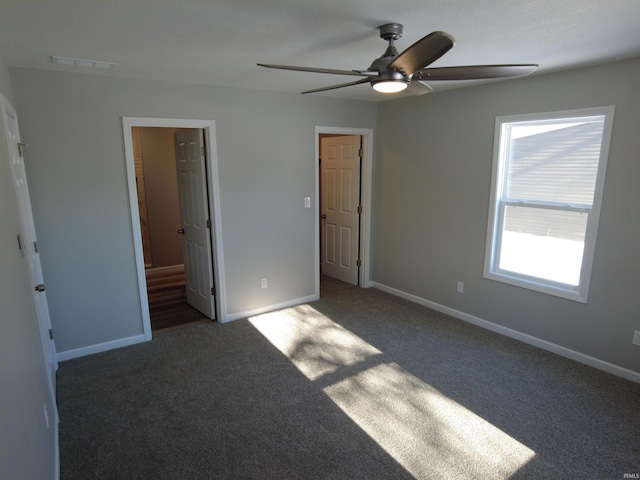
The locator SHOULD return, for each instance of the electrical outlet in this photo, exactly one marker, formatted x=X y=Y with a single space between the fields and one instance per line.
x=263 y=282
x=636 y=338
x=307 y=202
x=460 y=287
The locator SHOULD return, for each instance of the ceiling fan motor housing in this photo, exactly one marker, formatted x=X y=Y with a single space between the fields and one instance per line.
x=380 y=64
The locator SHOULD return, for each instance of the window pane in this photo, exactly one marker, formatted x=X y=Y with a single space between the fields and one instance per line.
x=543 y=243
x=554 y=161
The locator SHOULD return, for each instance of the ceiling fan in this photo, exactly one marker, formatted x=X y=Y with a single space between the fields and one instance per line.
x=393 y=72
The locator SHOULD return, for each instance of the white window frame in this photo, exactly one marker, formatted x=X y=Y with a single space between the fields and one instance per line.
x=498 y=201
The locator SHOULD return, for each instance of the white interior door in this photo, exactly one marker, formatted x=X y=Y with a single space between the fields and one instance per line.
x=27 y=238
x=339 y=201
x=194 y=213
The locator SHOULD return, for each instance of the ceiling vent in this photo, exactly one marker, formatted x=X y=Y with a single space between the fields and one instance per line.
x=78 y=62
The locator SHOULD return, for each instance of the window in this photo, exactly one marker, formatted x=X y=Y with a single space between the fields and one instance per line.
x=548 y=177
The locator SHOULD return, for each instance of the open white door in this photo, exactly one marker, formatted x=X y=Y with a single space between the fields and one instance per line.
x=27 y=238
x=196 y=225
x=339 y=206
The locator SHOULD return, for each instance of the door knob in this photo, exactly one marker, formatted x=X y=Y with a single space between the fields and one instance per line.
x=324 y=215
x=181 y=231
x=40 y=287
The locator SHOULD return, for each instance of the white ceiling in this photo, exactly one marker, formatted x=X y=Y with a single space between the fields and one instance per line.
x=219 y=42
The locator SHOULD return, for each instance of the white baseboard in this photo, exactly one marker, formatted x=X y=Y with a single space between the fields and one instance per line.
x=269 y=308
x=125 y=342
x=523 y=337
x=100 y=347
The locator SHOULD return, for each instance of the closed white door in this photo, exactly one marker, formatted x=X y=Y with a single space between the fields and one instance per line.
x=194 y=214
x=27 y=240
x=340 y=158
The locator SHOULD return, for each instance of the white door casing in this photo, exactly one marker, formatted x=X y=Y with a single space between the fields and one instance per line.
x=194 y=214
x=27 y=239
x=340 y=202
x=209 y=129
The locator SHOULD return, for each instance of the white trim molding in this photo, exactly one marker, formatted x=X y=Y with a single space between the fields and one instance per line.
x=271 y=308
x=516 y=335
x=100 y=347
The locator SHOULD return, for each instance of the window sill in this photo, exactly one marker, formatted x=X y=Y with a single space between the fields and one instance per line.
x=567 y=292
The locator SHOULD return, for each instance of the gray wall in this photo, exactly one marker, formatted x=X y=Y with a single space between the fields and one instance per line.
x=161 y=187
x=5 y=81
x=27 y=447
x=432 y=183
x=76 y=168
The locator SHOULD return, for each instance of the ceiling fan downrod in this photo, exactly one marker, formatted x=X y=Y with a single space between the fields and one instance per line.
x=389 y=32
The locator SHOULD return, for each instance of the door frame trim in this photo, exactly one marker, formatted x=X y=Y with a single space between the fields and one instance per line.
x=213 y=185
x=366 y=181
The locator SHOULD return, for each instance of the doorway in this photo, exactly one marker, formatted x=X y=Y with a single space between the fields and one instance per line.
x=165 y=265
x=358 y=189
x=164 y=184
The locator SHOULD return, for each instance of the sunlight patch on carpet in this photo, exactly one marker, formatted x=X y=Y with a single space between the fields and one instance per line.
x=424 y=430
x=429 y=434
x=315 y=344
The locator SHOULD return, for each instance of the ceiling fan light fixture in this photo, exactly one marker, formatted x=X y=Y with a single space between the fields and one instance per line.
x=390 y=81
x=390 y=86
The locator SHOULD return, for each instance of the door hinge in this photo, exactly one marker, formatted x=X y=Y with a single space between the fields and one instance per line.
x=359 y=263
x=359 y=208
x=202 y=151
x=35 y=247
x=50 y=334
x=208 y=223
x=360 y=153
x=213 y=291
x=21 y=148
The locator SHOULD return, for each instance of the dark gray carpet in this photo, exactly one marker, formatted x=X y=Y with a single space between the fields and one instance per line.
x=358 y=385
